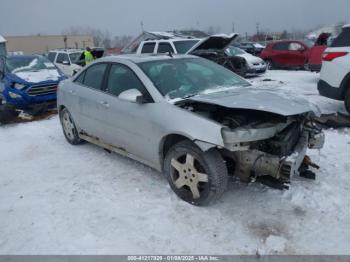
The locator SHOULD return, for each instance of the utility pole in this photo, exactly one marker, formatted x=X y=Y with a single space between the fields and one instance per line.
x=142 y=29
x=257 y=28
x=233 y=27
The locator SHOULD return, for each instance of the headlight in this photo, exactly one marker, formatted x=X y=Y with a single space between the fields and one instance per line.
x=18 y=86
x=14 y=95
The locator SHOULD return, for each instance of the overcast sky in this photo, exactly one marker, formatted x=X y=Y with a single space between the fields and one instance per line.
x=119 y=17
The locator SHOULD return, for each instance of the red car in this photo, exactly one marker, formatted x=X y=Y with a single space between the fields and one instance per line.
x=316 y=52
x=286 y=54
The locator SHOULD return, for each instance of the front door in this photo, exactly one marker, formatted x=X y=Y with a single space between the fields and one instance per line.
x=128 y=125
x=89 y=96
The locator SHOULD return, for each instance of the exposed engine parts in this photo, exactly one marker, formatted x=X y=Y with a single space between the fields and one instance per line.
x=265 y=147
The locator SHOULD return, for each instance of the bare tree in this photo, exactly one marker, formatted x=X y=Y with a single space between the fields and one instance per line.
x=100 y=38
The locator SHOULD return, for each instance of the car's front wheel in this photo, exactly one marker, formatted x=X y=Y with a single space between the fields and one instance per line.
x=69 y=127
x=197 y=177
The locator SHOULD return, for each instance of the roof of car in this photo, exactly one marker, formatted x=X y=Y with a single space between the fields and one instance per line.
x=136 y=58
x=23 y=56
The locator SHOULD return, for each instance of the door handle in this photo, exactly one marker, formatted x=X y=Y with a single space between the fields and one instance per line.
x=72 y=92
x=105 y=104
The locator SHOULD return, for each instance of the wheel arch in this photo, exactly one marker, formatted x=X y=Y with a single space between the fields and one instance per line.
x=345 y=85
x=171 y=139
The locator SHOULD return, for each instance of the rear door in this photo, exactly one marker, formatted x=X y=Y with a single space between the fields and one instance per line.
x=148 y=48
x=297 y=54
x=164 y=48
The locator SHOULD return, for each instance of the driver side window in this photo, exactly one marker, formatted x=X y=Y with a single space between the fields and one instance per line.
x=62 y=58
x=122 y=78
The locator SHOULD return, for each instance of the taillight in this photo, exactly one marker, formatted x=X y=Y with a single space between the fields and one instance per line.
x=330 y=56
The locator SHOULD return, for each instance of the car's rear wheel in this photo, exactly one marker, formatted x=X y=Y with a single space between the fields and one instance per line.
x=347 y=100
x=197 y=177
x=69 y=128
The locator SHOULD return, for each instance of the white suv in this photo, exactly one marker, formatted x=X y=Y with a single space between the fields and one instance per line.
x=66 y=60
x=175 y=46
x=335 y=72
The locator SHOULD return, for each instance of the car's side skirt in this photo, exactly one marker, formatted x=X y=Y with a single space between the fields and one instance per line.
x=118 y=150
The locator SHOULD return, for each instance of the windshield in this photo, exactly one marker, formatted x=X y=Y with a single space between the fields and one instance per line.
x=183 y=46
x=233 y=51
x=74 y=57
x=26 y=64
x=181 y=78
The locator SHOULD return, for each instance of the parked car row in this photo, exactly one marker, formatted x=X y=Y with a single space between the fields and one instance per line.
x=217 y=48
x=70 y=61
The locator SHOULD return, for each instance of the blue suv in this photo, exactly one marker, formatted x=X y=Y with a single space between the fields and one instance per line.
x=29 y=83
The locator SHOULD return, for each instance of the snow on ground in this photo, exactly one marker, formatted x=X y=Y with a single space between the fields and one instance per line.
x=59 y=199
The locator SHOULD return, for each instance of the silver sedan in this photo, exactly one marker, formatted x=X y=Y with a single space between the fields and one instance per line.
x=191 y=119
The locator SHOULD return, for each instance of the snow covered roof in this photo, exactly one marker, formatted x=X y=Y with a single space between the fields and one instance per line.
x=2 y=40
x=346 y=26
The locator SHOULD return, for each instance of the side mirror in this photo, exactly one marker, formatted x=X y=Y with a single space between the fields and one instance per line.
x=132 y=95
x=65 y=63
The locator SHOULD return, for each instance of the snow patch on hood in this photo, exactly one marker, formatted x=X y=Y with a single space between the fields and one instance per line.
x=39 y=76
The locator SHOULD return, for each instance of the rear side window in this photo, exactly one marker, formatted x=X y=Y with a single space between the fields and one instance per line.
x=343 y=40
x=148 y=48
x=80 y=78
x=295 y=47
x=52 y=56
x=62 y=57
x=165 y=48
x=281 y=46
x=94 y=76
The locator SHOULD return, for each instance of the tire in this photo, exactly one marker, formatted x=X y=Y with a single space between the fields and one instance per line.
x=204 y=171
x=269 y=65
x=7 y=113
x=347 y=100
x=69 y=128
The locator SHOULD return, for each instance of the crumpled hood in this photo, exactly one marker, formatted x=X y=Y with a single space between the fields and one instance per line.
x=39 y=76
x=252 y=98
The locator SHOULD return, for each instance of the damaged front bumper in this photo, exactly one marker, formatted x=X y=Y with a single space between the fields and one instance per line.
x=256 y=165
